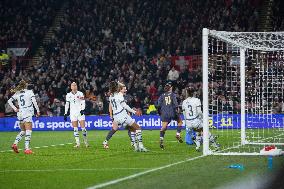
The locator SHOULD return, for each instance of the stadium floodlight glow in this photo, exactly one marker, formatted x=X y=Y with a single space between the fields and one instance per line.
x=243 y=84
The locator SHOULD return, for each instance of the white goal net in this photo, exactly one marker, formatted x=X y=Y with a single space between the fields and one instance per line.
x=243 y=91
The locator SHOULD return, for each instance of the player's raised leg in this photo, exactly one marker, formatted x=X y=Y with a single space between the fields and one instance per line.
x=112 y=89
x=110 y=134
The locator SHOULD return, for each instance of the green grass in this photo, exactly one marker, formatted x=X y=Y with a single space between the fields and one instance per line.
x=53 y=167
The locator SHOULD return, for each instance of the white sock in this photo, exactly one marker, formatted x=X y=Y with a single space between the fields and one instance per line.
x=139 y=136
x=212 y=140
x=197 y=140
x=133 y=138
x=76 y=135
x=84 y=132
x=19 y=137
x=28 y=139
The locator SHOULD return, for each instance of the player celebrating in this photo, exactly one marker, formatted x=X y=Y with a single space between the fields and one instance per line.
x=191 y=107
x=121 y=117
x=26 y=102
x=75 y=99
x=115 y=126
x=168 y=110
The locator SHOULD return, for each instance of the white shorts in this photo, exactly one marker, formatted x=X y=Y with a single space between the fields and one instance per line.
x=195 y=123
x=25 y=115
x=77 y=117
x=123 y=119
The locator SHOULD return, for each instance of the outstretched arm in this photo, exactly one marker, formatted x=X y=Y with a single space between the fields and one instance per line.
x=125 y=106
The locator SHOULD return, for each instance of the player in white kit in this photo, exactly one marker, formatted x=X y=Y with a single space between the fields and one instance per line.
x=121 y=118
x=193 y=116
x=25 y=110
x=76 y=101
x=115 y=125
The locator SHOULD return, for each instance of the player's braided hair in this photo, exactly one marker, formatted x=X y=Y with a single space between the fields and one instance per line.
x=21 y=86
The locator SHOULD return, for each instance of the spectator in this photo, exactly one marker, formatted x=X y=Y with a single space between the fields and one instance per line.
x=173 y=75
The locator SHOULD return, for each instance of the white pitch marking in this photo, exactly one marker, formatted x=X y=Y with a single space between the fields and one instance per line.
x=54 y=170
x=142 y=173
x=38 y=147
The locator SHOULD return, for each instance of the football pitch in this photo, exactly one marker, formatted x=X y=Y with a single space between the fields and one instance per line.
x=56 y=164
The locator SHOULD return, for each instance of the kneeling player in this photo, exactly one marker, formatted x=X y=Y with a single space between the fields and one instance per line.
x=192 y=112
x=75 y=99
x=120 y=116
x=26 y=101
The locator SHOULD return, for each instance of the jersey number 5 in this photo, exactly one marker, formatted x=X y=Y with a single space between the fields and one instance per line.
x=22 y=100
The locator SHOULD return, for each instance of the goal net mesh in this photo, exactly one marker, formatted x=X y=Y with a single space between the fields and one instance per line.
x=264 y=86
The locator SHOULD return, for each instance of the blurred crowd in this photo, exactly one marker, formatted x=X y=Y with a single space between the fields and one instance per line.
x=130 y=41
x=278 y=16
x=26 y=20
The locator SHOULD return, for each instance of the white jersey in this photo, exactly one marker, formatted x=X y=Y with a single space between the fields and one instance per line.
x=76 y=102
x=116 y=101
x=191 y=108
x=119 y=110
x=26 y=102
x=24 y=98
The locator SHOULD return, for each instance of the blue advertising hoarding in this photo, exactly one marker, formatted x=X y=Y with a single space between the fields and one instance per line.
x=147 y=122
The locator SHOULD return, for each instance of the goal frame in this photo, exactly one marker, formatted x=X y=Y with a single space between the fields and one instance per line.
x=205 y=36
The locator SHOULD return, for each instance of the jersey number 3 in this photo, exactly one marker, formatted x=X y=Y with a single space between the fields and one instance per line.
x=190 y=110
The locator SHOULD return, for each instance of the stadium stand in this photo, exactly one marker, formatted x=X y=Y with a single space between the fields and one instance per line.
x=136 y=42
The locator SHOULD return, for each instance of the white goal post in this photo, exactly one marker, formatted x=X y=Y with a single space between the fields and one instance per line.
x=243 y=84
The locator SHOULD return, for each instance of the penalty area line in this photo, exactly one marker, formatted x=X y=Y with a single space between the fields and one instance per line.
x=38 y=147
x=142 y=173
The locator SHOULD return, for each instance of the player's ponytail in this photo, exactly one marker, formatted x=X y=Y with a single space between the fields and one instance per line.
x=21 y=86
x=113 y=87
